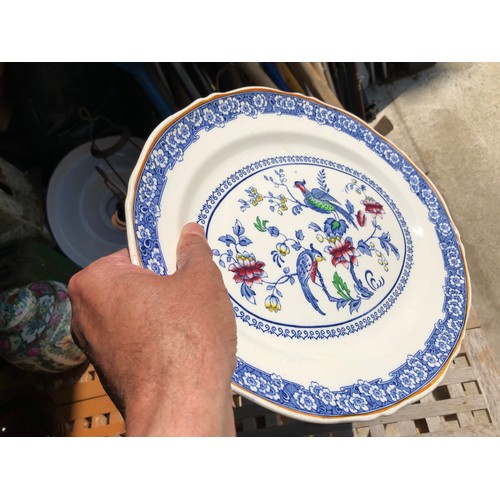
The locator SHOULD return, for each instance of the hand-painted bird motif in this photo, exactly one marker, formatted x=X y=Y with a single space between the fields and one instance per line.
x=322 y=202
x=307 y=270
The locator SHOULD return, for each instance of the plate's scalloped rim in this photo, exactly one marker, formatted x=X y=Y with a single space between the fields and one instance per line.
x=296 y=414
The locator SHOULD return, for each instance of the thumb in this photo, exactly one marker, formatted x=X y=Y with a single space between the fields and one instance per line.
x=192 y=245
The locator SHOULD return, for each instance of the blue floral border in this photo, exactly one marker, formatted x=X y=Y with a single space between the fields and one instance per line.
x=325 y=331
x=364 y=396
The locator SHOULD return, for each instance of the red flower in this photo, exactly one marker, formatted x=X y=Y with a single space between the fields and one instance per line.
x=247 y=269
x=33 y=351
x=361 y=218
x=343 y=252
x=373 y=207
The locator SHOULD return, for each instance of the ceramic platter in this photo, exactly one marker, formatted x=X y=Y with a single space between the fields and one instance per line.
x=346 y=273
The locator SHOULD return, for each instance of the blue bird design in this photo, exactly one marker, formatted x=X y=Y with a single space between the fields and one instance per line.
x=322 y=202
x=307 y=271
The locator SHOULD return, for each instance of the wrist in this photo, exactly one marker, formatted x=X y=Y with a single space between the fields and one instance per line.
x=197 y=413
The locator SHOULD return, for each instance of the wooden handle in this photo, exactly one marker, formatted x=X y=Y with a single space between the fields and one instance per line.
x=257 y=75
x=289 y=78
x=317 y=83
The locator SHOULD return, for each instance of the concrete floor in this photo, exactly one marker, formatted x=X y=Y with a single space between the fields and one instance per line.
x=447 y=120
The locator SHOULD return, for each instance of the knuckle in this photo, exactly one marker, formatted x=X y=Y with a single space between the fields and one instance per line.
x=74 y=284
x=79 y=283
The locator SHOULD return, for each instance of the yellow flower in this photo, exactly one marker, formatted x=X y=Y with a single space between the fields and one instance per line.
x=283 y=249
x=320 y=238
x=255 y=196
x=273 y=304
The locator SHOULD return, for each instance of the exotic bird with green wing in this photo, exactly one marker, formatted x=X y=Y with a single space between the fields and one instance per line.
x=322 y=202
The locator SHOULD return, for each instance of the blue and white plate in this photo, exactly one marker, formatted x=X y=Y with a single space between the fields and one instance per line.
x=346 y=273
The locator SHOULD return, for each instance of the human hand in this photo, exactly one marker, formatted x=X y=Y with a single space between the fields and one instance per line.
x=163 y=346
